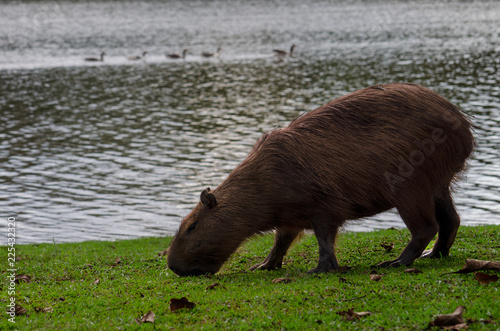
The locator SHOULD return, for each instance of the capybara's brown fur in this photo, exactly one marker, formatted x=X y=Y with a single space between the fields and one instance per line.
x=395 y=145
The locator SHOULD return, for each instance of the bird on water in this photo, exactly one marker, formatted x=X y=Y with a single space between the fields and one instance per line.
x=177 y=56
x=96 y=59
x=282 y=53
x=137 y=57
x=216 y=54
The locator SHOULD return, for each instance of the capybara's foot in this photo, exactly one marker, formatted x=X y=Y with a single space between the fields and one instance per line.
x=428 y=254
x=389 y=264
x=431 y=254
x=265 y=265
x=324 y=266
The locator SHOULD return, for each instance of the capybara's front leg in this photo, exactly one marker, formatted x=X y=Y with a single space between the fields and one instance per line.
x=283 y=238
x=448 y=222
x=326 y=240
x=421 y=222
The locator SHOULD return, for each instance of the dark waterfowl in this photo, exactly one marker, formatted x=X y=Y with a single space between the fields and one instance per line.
x=216 y=54
x=96 y=59
x=282 y=53
x=177 y=56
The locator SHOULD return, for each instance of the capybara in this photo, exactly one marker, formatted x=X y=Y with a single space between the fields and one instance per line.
x=394 y=145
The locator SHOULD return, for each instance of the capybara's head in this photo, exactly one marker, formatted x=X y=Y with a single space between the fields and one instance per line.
x=205 y=240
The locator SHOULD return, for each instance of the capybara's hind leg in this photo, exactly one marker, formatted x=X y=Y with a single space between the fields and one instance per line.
x=283 y=238
x=421 y=222
x=326 y=241
x=448 y=222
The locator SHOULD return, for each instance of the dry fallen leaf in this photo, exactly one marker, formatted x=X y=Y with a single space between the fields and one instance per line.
x=22 y=278
x=387 y=247
x=450 y=320
x=212 y=286
x=351 y=315
x=176 y=304
x=413 y=271
x=284 y=280
x=44 y=310
x=149 y=317
x=20 y=310
x=96 y=282
x=375 y=276
x=485 y=279
x=472 y=265
x=163 y=253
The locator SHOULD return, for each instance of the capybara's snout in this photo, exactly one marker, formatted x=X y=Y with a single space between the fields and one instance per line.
x=182 y=267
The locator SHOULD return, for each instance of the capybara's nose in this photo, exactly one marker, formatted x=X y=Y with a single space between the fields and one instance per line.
x=180 y=270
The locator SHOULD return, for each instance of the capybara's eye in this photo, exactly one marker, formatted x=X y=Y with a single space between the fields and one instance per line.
x=192 y=226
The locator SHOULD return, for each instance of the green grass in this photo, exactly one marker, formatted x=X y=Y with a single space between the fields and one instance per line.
x=133 y=280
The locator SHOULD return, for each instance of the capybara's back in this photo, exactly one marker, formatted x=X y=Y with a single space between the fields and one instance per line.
x=378 y=147
x=395 y=145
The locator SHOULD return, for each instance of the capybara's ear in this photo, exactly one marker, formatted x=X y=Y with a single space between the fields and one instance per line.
x=208 y=199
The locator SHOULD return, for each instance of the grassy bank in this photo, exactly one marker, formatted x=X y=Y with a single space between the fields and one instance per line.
x=112 y=285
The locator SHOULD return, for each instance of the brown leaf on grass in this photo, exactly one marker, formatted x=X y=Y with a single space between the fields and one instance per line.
x=472 y=265
x=413 y=271
x=20 y=310
x=163 y=253
x=375 y=276
x=176 y=304
x=44 y=310
x=450 y=320
x=149 y=317
x=485 y=279
x=212 y=286
x=96 y=282
x=284 y=280
x=351 y=315
x=22 y=278
x=117 y=262
x=387 y=247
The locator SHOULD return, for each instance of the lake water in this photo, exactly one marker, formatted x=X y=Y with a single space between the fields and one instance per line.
x=122 y=149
